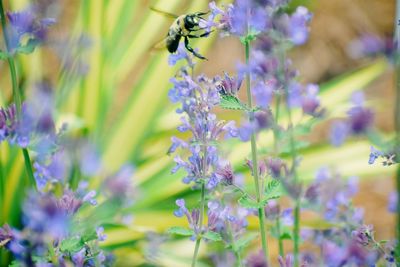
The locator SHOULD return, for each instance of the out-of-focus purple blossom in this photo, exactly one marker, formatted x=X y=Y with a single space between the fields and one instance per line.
x=263 y=119
x=277 y=168
x=246 y=130
x=90 y=162
x=310 y=101
x=360 y=119
x=6 y=235
x=262 y=167
x=287 y=262
x=90 y=197
x=305 y=97
x=27 y=23
x=298 y=25
x=120 y=184
x=363 y=235
x=257 y=260
x=182 y=208
x=392 y=203
x=332 y=195
x=100 y=234
x=55 y=171
x=79 y=258
x=374 y=154
x=339 y=132
x=245 y=17
x=366 y=45
x=272 y=210
x=262 y=93
x=287 y=217
x=44 y=214
x=226 y=175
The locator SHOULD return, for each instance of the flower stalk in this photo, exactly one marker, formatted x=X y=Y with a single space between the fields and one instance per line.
x=16 y=91
x=296 y=227
x=254 y=158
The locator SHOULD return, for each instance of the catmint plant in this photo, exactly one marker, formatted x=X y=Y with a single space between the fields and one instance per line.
x=198 y=96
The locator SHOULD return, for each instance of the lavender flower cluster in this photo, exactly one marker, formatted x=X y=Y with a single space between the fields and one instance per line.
x=267 y=32
x=62 y=219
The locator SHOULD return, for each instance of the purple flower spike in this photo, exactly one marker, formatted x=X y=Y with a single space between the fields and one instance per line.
x=339 y=133
x=298 y=25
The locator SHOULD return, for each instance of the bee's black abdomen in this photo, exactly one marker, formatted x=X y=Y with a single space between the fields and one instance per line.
x=173 y=42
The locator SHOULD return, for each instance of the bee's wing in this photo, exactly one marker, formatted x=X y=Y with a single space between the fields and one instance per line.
x=168 y=15
x=160 y=45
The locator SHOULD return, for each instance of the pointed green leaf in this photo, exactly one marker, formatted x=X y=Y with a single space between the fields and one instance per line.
x=177 y=230
x=212 y=236
x=232 y=102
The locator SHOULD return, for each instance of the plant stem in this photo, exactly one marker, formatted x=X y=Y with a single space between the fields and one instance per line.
x=261 y=211
x=16 y=92
x=198 y=240
x=296 y=228
x=235 y=250
x=280 y=242
x=397 y=119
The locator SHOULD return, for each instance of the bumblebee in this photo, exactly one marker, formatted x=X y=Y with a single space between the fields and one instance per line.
x=185 y=26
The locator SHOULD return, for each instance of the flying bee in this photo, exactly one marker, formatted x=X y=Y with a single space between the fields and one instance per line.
x=184 y=26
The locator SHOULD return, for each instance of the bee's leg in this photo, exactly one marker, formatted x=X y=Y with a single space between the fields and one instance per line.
x=191 y=50
x=200 y=35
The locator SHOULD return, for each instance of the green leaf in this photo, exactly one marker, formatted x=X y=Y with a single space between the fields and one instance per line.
x=177 y=230
x=29 y=47
x=247 y=202
x=243 y=242
x=232 y=102
x=286 y=235
x=212 y=236
x=272 y=190
x=71 y=245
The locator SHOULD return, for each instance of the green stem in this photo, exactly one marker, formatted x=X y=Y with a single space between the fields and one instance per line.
x=280 y=241
x=202 y=207
x=397 y=120
x=261 y=211
x=296 y=229
x=235 y=250
x=16 y=92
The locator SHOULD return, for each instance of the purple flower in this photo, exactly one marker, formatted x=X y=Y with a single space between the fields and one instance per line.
x=229 y=85
x=288 y=262
x=360 y=119
x=298 y=25
x=363 y=235
x=226 y=175
x=100 y=234
x=180 y=54
x=339 y=133
x=6 y=235
x=392 y=203
x=375 y=153
x=28 y=23
x=257 y=260
x=272 y=210
x=120 y=184
x=245 y=17
x=263 y=93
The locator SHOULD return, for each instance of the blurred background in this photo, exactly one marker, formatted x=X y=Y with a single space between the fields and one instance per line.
x=111 y=86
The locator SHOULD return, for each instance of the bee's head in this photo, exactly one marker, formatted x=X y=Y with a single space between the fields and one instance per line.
x=193 y=20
